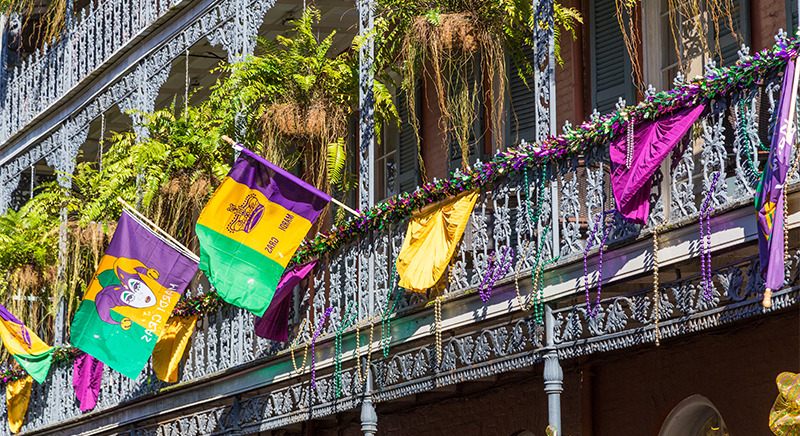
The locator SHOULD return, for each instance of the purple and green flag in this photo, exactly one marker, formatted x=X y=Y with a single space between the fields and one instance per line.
x=769 y=193
x=130 y=298
x=27 y=349
x=251 y=228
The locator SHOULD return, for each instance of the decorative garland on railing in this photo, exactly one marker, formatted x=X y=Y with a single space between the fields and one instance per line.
x=198 y=305
x=573 y=142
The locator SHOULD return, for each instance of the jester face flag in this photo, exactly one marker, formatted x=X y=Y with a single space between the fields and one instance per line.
x=130 y=298
x=252 y=227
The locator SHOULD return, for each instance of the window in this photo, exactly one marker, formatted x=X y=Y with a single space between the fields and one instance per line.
x=522 y=105
x=386 y=164
x=396 y=164
x=611 y=65
x=694 y=416
x=687 y=41
x=791 y=17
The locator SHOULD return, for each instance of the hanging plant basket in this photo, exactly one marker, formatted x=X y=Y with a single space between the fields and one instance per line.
x=455 y=32
x=294 y=121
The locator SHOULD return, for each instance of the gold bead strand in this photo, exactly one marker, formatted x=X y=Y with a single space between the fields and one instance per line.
x=438 y=320
x=305 y=352
x=516 y=279
x=656 y=293
x=363 y=378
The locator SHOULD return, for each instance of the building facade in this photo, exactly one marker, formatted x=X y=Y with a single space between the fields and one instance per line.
x=498 y=368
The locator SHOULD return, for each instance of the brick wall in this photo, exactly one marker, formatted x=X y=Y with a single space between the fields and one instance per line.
x=734 y=368
x=434 y=151
x=766 y=17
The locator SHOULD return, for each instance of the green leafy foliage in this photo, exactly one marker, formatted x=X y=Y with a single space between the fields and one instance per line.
x=297 y=99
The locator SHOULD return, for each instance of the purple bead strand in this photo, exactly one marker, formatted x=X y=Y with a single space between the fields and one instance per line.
x=606 y=230
x=313 y=348
x=495 y=271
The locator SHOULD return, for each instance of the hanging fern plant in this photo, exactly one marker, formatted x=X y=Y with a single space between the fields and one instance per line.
x=459 y=47
x=299 y=97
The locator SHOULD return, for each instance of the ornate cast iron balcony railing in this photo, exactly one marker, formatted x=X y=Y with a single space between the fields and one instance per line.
x=575 y=191
x=88 y=42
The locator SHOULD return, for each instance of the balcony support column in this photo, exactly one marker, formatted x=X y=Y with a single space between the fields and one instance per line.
x=544 y=69
x=369 y=419
x=366 y=154
x=236 y=410
x=553 y=375
x=68 y=142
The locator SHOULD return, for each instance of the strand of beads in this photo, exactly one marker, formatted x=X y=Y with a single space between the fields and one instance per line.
x=656 y=293
x=606 y=229
x=522 y=305
x=386 y=323
x=357 y=352
x=538 y=283
x=741 y=112
x=495 y=271
x=337 y=347
x=629 y=143
x=705 y=240
x=305 y=352
x=437 y=316
x=313 y=348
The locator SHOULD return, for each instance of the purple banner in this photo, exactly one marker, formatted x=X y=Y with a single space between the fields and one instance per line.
x=769 y=193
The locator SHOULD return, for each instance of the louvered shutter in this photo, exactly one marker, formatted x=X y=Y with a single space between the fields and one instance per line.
x=522 y=107
x=611 y=65
x=475 y=139
x=408 y=178
x=729 y=42
x=791 y=17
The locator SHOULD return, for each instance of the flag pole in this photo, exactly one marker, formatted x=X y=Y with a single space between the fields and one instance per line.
x=238 y=147
x=158 y=229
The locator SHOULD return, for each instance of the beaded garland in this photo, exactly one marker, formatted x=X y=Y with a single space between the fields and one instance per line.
x=717 y=83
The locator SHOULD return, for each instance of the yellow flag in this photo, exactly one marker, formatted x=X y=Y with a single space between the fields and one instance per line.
x=430 y=241
x=170 y=347
x=18 y=393
x=784 y=418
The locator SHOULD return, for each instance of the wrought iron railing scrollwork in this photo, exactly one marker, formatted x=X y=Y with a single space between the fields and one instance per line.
x=89 y=41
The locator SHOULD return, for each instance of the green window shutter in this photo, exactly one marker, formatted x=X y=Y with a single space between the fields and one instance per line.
x=522 y=107
x=791 y=17
x=611 y=65
x=409 y=174
x=730 y=41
